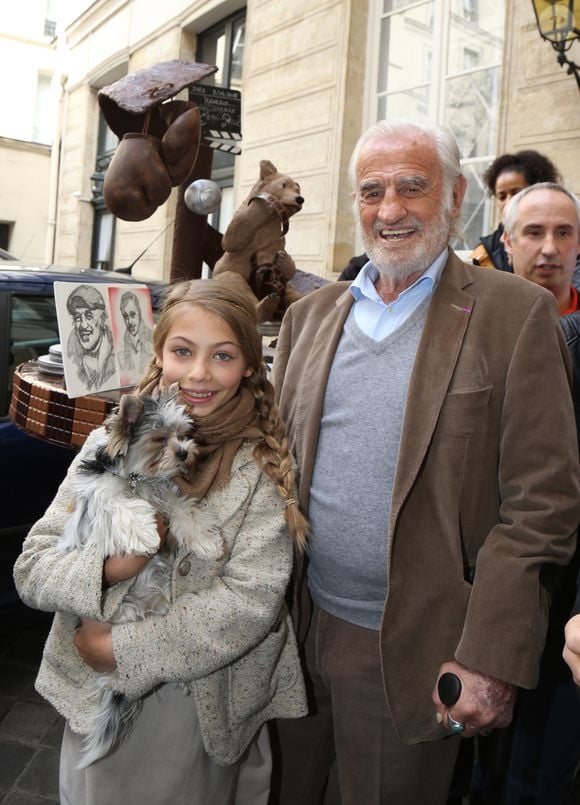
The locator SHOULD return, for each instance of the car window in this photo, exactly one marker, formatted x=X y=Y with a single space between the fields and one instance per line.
x=33 y=329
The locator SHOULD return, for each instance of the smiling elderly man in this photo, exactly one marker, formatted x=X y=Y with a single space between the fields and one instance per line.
x=429 y=409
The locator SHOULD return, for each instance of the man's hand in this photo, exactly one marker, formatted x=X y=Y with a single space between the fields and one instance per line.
x=121 y=567
x=485 y=703
x=571 y=651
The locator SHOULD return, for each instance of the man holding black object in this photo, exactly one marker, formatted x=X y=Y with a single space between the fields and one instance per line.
x=442 y=393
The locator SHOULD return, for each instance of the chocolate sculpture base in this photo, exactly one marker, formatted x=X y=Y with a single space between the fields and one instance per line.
x=41 y=407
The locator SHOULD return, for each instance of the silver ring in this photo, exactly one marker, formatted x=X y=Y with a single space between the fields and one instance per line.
x=456 y=727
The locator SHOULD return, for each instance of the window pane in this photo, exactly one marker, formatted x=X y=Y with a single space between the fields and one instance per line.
x=107 y=139
x=4 y=235
x=212 y=50
x=406 y=49
x=33 y=329
x=412 y=104
x=43 y=117
x=470 y=9
x=221 y=218
x=475 y=214
x=475 y=34
x=393 y=5
x=471 y=111
x=238 y=34
x=104 y=230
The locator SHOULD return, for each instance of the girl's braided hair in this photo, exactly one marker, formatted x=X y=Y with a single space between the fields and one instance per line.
x=272 y=454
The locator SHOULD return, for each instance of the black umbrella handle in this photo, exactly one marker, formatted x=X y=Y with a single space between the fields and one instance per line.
x=449 y=688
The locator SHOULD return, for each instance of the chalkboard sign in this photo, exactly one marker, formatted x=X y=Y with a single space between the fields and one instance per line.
x=220 y=110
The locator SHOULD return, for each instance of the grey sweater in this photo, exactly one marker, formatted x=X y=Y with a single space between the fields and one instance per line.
x=352 y=483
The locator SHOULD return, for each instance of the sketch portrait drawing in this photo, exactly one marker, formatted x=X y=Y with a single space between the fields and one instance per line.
x=135 y=348
x=107 y=335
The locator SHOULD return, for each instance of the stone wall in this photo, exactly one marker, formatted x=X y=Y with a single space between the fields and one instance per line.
x=24 y=196
x=302 y=109
x=541 y=103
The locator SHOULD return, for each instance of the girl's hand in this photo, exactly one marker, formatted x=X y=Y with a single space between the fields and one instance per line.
x=121 y=567
x=94 y=642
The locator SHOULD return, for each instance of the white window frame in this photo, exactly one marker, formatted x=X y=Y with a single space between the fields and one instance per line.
x=436 y=105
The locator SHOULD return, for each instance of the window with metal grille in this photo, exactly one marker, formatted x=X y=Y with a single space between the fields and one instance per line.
x=440 y=61
x=223 y=45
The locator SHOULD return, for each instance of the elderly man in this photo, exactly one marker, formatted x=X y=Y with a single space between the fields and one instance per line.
x=438 y=466
x=90 y=344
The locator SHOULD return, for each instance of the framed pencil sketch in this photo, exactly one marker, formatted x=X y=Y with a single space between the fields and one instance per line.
x=106 y=332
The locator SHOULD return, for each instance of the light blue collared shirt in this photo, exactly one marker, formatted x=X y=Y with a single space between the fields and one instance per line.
x=377 y=319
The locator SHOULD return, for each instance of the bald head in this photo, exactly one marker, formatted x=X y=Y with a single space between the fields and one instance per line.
x=542 y=237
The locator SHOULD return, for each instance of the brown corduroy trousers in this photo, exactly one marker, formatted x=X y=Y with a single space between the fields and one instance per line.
x=351 y=723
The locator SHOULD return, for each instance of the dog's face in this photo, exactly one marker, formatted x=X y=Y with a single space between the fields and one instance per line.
x=151 y=437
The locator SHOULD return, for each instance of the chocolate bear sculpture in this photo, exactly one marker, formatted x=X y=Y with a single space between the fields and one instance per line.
x=255 y=261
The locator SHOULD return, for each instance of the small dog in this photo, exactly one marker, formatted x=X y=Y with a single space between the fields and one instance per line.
x=116 y=497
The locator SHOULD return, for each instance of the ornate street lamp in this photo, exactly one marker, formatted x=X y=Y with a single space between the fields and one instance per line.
x=559 y=23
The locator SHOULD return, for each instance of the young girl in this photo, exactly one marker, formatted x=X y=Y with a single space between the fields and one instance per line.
x=227 y=634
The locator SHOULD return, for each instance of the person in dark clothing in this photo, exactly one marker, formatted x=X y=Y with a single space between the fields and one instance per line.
x=534 y=760
x=354 y=265
x=506 y=176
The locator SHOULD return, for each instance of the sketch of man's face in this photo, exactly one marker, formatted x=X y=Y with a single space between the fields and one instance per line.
x=88 y=324
x=132 y=316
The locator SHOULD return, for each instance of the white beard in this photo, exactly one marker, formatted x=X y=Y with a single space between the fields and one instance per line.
x=393 y=263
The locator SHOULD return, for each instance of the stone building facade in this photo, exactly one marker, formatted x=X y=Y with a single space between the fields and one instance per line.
x=29 y=90
x=312 y=77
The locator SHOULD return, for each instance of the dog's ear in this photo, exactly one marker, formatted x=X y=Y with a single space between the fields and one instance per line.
x=173 y=391
x=131 y=408
x=267 y=170
x=120 y=425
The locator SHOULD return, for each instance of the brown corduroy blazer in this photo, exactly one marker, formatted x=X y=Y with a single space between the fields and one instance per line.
x=486 y=496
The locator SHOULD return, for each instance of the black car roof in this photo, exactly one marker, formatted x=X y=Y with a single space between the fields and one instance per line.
x=24 y=278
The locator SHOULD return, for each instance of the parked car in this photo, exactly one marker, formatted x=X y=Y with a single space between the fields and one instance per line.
x=31 y=469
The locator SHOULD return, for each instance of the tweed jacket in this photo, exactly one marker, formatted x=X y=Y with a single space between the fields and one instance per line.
x=486 y=493
x=227 y=633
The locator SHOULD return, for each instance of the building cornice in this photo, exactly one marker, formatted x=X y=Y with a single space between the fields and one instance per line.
x=94 y=16
x=24 y=145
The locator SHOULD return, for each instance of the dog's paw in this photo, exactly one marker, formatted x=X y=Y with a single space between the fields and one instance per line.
x=210 y=546
x=133 y=530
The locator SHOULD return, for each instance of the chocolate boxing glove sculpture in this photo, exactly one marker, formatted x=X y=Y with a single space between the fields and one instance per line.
x=159 y=138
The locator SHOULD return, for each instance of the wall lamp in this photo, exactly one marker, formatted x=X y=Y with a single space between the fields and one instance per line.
x=97 y=182
x=559 y=24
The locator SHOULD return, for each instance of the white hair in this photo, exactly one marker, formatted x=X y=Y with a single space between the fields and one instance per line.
x=441 y=137
x=510 y=216
x=445 y=145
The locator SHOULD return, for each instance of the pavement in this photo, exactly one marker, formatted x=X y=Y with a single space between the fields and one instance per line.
x=30 y=729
